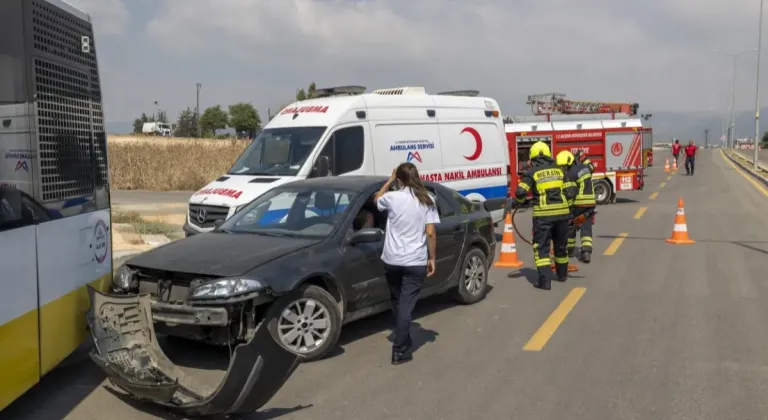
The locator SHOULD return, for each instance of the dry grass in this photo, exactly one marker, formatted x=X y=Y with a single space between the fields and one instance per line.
x=169 y=164
x=141 y=226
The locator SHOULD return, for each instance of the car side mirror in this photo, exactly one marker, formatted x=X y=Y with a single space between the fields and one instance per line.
x=366 y=235
x=217 y=223
x=322 y=167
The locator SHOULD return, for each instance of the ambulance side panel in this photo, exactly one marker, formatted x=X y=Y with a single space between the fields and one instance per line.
x=474 y=153
x=395 y=142
x=403 y=131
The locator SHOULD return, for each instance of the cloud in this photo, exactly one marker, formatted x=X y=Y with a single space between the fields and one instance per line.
x=110 y=17
x=657 y=52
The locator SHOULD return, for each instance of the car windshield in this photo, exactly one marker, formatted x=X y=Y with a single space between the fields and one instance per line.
x=278 y=151
x=305 y=212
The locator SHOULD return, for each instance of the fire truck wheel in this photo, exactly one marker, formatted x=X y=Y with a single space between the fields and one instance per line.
x=602 y=190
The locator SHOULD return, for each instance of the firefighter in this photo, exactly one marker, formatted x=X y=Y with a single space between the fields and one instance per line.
x=579 y=184
x=551 y=212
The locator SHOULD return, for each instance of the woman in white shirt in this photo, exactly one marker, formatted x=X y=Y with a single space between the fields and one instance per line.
x=409 y=248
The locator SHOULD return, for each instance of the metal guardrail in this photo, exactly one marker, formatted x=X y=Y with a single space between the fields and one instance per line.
x=746 y=163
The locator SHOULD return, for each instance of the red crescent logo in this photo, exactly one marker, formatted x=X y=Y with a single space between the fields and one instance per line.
x=478 y=143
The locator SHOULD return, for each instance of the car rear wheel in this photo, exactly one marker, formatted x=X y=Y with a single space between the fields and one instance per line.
x=602 y=191
x=473 y=278
x=306 y=321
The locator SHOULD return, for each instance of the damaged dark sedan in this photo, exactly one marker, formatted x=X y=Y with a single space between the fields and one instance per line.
x=306 y=256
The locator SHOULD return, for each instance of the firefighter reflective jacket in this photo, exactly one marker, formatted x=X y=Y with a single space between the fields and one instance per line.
x=546 y=181
x=579 y=178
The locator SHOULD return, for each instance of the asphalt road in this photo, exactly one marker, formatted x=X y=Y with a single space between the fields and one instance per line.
x=655 y=331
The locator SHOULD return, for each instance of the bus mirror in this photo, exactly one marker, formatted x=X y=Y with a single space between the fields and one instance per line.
x=217 y=223
x=322 y=167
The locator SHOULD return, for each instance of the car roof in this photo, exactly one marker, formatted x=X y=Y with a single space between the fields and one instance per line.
x=352 y=183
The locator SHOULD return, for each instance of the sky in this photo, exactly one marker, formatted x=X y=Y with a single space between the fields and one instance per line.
x=658 y=53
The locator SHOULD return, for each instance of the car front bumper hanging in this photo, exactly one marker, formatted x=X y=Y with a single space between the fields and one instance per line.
x=128 y=352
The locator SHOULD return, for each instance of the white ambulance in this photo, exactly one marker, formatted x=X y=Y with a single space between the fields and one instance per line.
x=455 y=138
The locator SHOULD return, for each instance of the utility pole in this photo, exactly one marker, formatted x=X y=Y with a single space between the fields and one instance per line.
x=706 y=138
x=197 y=111
x=735 y=57
x=757 y=89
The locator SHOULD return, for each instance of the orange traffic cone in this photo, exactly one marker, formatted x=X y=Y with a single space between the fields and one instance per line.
x=571 y=267
x=674 y=165
x=666 y=165
x=508 y=256
x=680 y=231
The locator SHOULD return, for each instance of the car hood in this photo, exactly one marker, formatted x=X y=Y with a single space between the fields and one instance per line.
x=219 y=254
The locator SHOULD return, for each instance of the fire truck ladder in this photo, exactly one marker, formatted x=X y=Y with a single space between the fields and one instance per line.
x=556 y=103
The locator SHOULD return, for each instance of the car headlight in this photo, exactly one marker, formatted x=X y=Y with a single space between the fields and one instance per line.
x=224 y=288
x=124 y=279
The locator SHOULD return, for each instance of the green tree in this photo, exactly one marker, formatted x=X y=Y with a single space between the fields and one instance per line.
x=187 y=124
x=213 y=118
x=244 y=117
x=764 y=140
x=302 y=95
x=138 y=123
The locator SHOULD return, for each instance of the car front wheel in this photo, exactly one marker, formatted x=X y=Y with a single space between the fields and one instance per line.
x=473 y=278
x=306 y=321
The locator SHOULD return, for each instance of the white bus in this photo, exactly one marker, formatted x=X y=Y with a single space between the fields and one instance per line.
x=55 y=235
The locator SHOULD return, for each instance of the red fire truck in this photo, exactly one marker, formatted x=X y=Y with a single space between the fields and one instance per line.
x=617 y=144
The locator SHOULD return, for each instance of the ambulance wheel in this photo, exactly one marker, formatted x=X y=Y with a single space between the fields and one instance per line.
x=602 y=189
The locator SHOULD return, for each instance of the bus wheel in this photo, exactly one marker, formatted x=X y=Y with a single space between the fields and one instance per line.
x=602 y=190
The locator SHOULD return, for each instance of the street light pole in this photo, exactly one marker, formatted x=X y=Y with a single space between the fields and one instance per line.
x=731 y=138
x=197 y=111
x=757 y=88
x=731 y=135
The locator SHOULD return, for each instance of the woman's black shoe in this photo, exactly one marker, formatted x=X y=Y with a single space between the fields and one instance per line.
x=400 y=358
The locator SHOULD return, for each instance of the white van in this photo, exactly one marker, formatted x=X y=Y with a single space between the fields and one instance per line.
x=455 y=138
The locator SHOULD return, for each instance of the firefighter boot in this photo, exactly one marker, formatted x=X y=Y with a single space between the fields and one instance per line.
x=562 y=272
x=571 y=252
x=586 y=256
x=544 y=281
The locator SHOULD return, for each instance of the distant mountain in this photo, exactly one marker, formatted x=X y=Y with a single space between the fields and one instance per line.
x=690 y=125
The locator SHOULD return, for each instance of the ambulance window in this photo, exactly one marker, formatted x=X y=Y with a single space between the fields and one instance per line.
x=345 y=150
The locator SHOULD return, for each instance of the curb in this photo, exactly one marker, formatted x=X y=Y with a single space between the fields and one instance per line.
x=739 y=160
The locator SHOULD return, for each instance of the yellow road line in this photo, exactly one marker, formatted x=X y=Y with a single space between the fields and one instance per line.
x=746 y=176
x=653 y=195
x=556 y=318
x=669 y=178
x=614 y=246
x=662 y=185
x=640 y=212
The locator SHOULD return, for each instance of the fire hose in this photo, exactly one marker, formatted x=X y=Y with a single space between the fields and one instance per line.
x=576 y=221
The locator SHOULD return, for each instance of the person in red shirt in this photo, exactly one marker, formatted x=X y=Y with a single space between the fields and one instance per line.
x=690 y=157
x=676 y=151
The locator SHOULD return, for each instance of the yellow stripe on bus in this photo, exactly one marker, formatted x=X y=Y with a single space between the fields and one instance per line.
x=63 y=324
x=63 y=330
x=19 y=357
